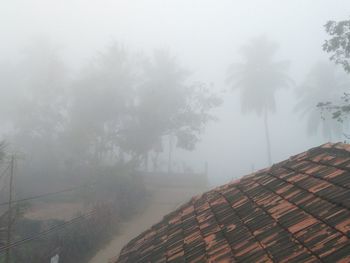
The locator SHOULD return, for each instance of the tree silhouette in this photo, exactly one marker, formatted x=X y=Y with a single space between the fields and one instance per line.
x=171 y=106
x=125 y=104
x=323 y=83
x=258 y=78
x=38 y=118
x=102 y=102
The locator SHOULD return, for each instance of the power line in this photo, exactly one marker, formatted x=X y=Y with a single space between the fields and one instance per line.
x=57 y=227
x=47 y=231
x=46 y=194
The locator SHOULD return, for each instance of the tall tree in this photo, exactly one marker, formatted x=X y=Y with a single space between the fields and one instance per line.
x=258 y=77
x=125 y=104
x=38 y=119
x=322 y=83
x=102 y=102
x=170 y=106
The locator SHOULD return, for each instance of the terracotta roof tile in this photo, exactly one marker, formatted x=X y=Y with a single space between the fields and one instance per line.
x=295 y=211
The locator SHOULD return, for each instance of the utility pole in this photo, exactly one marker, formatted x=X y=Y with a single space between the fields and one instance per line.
x=9 y=222
x=170 y=153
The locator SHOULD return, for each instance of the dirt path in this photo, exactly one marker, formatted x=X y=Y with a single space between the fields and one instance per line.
x=162 y=202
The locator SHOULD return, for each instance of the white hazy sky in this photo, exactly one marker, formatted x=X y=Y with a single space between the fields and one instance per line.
x=205 y=36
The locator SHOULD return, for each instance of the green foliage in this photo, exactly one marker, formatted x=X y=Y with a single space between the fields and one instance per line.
x=339 y=111
x=339 y=43
x=339 y=48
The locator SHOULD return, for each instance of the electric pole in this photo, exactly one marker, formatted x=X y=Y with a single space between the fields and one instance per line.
x=9 y=222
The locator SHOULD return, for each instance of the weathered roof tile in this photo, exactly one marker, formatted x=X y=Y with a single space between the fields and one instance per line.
x=295 y=211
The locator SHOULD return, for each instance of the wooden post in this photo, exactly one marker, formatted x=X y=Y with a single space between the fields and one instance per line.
x=170 y=154
x=9 y=222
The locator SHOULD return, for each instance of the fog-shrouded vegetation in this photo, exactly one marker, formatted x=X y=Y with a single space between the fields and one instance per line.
x=338 y=45
x=315 y=89
x=258 y=78
x=119 y=113
x=120 y=108
x=109 y=109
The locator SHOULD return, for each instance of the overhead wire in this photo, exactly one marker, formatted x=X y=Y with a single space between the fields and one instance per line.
x=46 y=194
x=56 y=227
x=53 y=228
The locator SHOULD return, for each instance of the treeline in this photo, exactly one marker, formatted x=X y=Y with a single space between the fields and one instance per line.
x=118 y=113
x=120 y=107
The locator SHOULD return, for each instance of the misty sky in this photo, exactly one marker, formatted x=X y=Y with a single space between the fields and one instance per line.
x=205 y=36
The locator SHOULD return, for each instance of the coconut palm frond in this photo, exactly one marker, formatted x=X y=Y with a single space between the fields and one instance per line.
x=259 y=76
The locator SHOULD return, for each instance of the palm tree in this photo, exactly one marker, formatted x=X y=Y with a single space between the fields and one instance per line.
x=323 y=83
x=258 y=78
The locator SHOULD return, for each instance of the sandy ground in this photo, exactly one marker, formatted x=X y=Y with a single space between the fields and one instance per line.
x=163 y=201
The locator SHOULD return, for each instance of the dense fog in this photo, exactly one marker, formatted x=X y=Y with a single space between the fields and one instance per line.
x=204 y=36
x=91 y=87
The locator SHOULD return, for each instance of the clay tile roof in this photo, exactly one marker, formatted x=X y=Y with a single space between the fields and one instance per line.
x=295 y=211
